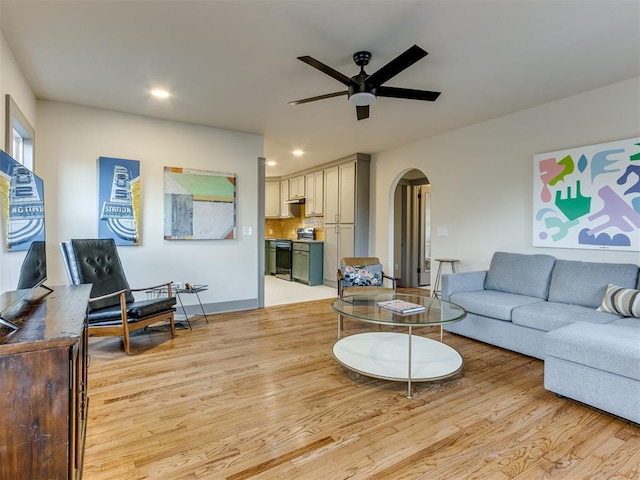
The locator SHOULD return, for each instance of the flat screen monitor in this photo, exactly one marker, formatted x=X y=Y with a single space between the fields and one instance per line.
x=22 y=202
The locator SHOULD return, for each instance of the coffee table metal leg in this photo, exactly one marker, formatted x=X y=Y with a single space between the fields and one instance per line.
x=409 y=373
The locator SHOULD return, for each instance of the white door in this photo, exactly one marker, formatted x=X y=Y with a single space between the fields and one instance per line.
x=424 y=236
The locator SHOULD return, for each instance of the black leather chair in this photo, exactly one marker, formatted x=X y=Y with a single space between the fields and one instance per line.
x=34 y=267
x=113 y=310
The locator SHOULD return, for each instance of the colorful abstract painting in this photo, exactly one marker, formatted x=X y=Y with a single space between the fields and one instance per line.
x=199 y=205
x=119 y=200
x=22 y=199
x=588 y=197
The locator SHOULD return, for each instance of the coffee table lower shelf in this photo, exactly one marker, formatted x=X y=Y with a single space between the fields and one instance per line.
x=385 y=355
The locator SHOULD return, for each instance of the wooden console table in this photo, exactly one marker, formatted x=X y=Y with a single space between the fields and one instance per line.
x=43 y=388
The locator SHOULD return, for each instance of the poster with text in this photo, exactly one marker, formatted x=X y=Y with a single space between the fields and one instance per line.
x=119 y=200
x=588 y=197
x=22 y=200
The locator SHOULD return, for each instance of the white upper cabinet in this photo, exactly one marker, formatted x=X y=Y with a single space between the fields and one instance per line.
x=314 y=183
x=296 y=187
x=340 y=193
x=272 y=199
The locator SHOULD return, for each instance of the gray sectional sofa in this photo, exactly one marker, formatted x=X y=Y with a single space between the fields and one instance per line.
x=547 y=308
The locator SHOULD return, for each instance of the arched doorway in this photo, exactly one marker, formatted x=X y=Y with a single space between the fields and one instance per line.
x=412 y=237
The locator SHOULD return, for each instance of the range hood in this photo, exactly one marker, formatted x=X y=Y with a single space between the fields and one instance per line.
x=295 y=201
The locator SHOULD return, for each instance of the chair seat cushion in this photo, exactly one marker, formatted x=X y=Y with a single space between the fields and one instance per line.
x=366 y=291
x=136 y=311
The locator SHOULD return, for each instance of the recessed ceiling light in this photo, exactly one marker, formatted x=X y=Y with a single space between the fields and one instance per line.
x=157 y=92
x=298 y=153
x=271 y=163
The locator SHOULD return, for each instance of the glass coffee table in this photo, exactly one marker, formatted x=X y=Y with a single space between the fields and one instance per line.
x=396 y=355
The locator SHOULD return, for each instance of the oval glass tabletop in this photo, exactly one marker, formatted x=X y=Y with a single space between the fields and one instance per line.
x=367 y=308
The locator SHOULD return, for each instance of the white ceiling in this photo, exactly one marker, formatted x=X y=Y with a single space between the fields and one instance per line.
x=232 y=64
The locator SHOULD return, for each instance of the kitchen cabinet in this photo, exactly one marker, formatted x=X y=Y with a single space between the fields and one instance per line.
x=285 y=208
x=272 y=257
x=314 y=193
x=296 y=187
x=266 y=258
x=44 y=398
x=308 y=262
x=272 y=199
x=276 y=194
x=346 y=212
x=339 y=242
x=340 y=193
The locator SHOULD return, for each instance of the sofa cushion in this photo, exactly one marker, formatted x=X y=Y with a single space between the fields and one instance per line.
x=625 y=301
x=491 y=303
x=548 y=316
x=520 y=274
x=584 y=283
x=612 y=347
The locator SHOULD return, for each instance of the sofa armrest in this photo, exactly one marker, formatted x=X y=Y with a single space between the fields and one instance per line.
x=462 y=282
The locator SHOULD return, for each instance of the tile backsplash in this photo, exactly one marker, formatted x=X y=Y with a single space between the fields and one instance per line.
x=286 y=227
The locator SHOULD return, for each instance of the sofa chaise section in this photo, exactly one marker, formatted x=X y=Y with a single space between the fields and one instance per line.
x=549 y=309
x=597 y=364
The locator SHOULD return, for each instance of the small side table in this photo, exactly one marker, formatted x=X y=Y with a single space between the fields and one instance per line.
x=195 y=289
x=162 y=292
x=436 y=292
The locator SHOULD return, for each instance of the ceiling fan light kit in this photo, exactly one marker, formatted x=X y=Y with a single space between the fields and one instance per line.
x=363 y=89
x=362 y=99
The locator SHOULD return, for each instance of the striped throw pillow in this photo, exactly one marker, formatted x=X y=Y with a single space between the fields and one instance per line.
x=623 y=301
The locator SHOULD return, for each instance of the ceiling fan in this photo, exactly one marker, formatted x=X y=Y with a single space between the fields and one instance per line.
x=362 y=89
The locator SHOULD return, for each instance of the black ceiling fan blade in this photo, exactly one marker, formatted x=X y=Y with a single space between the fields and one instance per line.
x=397 y=65
x=362 y=111
x=326 y=70
x=319 y=97
x=408 y=93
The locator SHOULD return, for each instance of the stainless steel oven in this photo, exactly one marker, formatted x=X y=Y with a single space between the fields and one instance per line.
x=284 y=258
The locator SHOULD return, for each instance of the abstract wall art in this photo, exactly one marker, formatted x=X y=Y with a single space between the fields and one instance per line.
x=119 y=200
x=199 y=205
x=588 y=197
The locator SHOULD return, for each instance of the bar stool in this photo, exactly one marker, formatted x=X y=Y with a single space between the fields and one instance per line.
x=436 y=292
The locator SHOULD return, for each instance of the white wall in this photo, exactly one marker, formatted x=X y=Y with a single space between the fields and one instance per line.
x=12 y=82
x=482 y=176
x=70 y=140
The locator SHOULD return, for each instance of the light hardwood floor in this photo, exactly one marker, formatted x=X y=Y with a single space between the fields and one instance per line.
x=257 y=395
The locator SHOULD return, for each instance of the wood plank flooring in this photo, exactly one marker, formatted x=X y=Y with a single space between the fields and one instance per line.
x=257 y=395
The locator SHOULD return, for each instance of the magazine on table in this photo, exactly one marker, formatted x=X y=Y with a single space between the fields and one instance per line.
x=401 y=306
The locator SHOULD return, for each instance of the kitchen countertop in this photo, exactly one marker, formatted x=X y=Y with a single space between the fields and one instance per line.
x=303 y=240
